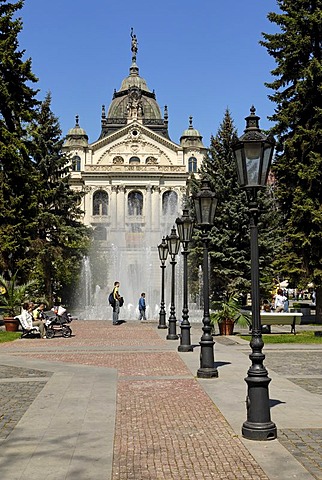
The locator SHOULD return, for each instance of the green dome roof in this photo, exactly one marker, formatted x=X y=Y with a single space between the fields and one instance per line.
x=191 y=132
x=76 y=136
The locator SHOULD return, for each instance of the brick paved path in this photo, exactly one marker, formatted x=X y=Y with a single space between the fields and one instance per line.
x=167 y=427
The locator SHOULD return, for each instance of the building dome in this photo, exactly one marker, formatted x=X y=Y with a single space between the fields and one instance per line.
x=191 y=136
x=76 y=136
x=134 y=101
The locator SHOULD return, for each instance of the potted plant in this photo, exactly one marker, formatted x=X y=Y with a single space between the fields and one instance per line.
x=12 y=296
x=228 y=315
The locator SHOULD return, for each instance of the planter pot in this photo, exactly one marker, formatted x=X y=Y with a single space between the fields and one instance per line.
x=11 y=324
x=226 y=327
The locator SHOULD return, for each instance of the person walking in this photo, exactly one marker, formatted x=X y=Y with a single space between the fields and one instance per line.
x=116 y=303
x=142 y=307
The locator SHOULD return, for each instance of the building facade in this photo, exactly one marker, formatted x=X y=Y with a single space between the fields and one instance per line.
x=135 y=180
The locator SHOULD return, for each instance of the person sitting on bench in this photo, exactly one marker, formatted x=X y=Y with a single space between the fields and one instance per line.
x=27 y=321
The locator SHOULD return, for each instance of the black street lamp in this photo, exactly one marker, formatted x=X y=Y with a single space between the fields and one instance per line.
x=185 y=228
x=173 y=242
x=163 y=255
x=205 y=208
x=253 y=154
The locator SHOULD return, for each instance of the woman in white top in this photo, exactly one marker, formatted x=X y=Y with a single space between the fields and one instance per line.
x=280 y=299
x=27 y=320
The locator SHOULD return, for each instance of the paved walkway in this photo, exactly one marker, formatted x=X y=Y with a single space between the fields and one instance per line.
x=120 y=403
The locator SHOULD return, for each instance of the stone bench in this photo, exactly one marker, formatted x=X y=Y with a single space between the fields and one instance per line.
x=281 y=318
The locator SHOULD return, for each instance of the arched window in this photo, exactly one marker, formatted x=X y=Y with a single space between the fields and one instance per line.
x=100 y=203
x=134 y=160
x=135 y=203
x=192 y=165
x=76 y=163
x=169 y=203
x=100 y=233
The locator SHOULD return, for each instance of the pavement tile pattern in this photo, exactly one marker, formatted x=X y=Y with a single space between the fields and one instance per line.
x=17 y=396
x=161 y=435
x=305 y=370
x=306 y=446
x=133 y=364
x=167 y=427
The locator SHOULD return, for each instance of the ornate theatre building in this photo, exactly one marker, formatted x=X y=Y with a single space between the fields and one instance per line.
x=135 y=179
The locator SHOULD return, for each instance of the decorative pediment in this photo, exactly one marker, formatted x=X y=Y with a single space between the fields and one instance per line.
x=129 y=131
x=145 y=149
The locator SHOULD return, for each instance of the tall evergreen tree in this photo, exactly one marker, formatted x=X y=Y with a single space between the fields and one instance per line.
x=17 y=109
x=297 y=51
x=61 y=239
x=229 y=247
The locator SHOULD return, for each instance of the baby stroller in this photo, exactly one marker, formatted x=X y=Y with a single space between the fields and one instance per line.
x=58 y=323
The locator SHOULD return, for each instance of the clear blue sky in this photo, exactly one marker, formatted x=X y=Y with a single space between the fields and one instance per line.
x=200 y=56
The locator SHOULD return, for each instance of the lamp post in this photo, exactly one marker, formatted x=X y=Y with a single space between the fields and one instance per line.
x=253 y=153
x=173 y=243
x=185 y=228
x=163 y=254
x=205 y=208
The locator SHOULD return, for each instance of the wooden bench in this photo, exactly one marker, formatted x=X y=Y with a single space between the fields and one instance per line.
x=281 y=318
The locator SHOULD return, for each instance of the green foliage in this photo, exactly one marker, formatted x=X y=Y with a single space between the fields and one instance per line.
x=61 y=239
x=41 y=233
x=17 y=109
x=229 y=246
x=297 y=93
x=231 y=310
x=12 y=295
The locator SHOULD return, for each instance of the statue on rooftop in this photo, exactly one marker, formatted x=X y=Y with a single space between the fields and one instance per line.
x=134 y=45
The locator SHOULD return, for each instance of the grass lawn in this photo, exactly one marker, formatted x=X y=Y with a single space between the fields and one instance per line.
x=9 y=336
x=302 y=337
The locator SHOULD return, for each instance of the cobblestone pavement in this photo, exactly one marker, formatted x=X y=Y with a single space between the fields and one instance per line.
x=304 y=368
x=16 y=397
x=306 y=446
x=167 y=427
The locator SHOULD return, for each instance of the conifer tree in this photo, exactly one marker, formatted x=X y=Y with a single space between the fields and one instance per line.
x=61 y=239
x=297 y=93
x=229 y=247
x=17 y=109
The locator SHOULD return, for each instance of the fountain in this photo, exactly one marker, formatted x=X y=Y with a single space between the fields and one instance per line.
x=129 y=256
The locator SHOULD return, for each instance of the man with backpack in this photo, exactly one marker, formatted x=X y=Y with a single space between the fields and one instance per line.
x=116 y=301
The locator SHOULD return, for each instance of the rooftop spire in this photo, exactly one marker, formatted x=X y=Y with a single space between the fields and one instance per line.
x=134 y=70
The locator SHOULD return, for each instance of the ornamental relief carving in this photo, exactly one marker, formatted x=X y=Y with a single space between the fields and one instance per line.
x=118 y=160
x=135 y=147
x=151 y=161
x=144 y=168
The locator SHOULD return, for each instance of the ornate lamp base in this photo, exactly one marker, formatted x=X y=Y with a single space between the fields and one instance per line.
x=207 y=373
x=259 y=431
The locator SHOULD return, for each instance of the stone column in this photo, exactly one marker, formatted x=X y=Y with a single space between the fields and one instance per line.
x=121 y=207
x=155 y=202
x=148 y=209
x=113 y=207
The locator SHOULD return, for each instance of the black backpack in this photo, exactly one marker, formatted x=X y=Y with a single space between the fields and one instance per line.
x=111 y=299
